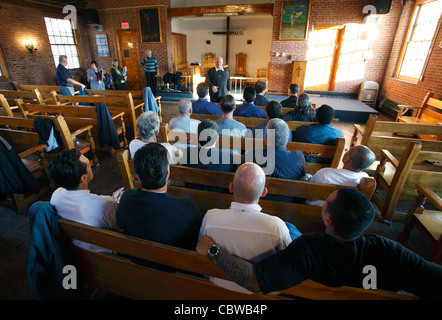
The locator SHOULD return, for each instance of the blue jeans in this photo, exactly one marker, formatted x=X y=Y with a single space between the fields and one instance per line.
x=294 y=232
x=67 y=91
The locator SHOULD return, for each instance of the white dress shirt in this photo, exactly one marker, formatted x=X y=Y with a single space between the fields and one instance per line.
x=174 y=154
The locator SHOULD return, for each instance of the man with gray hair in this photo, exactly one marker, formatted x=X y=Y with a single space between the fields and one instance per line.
x=288 y=164
x=151 y=69
x=184 y=123
x=148 y=126
x=65 y=80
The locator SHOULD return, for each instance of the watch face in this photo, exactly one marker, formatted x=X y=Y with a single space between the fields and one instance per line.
x=213 y=250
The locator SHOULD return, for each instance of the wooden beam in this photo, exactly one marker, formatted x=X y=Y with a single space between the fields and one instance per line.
x=198 y=11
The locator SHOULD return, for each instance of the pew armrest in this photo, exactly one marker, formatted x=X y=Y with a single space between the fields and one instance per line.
x=385 y=154
x=38 y=148
x=121 y=114
x=81 y=130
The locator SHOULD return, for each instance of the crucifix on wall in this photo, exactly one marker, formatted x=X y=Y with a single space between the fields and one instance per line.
x=228 y=32
x=298 y=74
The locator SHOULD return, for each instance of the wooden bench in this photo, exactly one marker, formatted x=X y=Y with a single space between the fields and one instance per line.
x=106 y=272
x=400 y=177
x=333 y=152
x=427 y=222
x=429 y=112
x=34 y=159
x=307 y=217
x=114 y=104
x=77 y=117
x=120 y=276
x=33 y=96
x=24 y=129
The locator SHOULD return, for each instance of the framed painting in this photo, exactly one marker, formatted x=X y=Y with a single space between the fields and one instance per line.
x=294 y=20
x=150 y=24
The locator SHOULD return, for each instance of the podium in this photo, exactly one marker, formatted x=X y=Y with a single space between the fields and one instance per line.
x=298 y=74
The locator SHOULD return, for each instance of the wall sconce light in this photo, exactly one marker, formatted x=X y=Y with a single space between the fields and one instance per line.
x=30 y=45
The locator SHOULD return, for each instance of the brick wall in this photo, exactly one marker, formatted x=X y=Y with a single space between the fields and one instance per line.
x=18 y=24
x=344 y=12
x=112 y=13
x=411 y=93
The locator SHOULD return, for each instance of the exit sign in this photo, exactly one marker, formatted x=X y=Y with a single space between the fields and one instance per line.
x=125 y=25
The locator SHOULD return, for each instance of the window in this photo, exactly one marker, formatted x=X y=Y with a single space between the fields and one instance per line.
x=103 y=48
x=4 y=72
x=419 y=39
x=62 y=40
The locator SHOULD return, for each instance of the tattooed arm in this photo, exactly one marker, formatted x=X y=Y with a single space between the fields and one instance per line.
x=237 y=269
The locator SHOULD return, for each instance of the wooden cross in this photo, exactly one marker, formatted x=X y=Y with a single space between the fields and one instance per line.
x=299 y=71
x=228 y=32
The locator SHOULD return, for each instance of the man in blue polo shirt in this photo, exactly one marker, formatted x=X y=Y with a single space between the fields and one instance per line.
x=65 y=80
x=203 y=105
x=151 y=69
x=320 y=132
x=248 y=109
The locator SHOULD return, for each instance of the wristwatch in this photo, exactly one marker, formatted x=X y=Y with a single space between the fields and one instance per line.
x=213 y=251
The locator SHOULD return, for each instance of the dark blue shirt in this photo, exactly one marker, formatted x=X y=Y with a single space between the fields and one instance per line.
x=290 y=102
x=204 y=106
x=261 y=100
x=62 y=74
x=319 y=134
x=256 y=134
x=249 y=110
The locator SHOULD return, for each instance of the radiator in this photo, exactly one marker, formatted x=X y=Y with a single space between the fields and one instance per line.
x=391 y=108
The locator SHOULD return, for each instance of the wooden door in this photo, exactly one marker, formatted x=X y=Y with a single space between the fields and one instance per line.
x=323 y=58
x=128 y=47
x=298 y=74
x=179 y=42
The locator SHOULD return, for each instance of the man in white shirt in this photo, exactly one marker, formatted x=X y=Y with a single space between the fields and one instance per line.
x=71 y=172
x=243 y=229
x=355 y=161
x=148 y=126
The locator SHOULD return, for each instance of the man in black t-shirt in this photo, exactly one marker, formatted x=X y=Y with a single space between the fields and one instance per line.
x=150 y=212
x=337 y=257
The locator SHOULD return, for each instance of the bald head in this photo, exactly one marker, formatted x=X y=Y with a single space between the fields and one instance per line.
x=359 y=158
x=249 y=183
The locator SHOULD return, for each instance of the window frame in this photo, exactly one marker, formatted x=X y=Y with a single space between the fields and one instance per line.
x=98 y=45
x=403 y=50
x=5 y=74
x=76 y=42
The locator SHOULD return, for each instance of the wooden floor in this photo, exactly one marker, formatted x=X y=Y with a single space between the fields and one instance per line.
x=14 y=230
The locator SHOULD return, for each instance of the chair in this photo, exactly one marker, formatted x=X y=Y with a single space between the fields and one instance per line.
x=240 y=68
x=427 y=222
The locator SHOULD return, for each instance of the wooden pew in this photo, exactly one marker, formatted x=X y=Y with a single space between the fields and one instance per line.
x=24 y=143
x=299 y=214
x=429 y=112
x=25 y=129
x=115 y=105
x=118 y=275
x=399 y=179
x=246 y=144
x=77 y=117
x=33 y=96
x=30 y=87
x=137 y=96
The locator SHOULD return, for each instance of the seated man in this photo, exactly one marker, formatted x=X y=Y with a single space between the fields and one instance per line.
x=209 y=157
x=248 y=109
x=227 y=124
x=243 y=229
x=320 y=133
x=184 y=123
x=148 y=126
x=150 y=212
x=336 y=257
x=303 y=110
x=261 y=89
x=355 y=161
x=290 y=102
x=203 y=105
x=273 y=110
x=71 y=172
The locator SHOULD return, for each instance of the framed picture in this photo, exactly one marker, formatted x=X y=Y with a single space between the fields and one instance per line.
x=294 y=20
x=150 y=25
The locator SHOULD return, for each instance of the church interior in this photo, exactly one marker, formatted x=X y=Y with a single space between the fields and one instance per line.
x=378 y=63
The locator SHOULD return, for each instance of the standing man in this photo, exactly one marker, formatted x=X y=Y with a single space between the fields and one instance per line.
x=65 y=80
x=151 y=69
x=219 y=82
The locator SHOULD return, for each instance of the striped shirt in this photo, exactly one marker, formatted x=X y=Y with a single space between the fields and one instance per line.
x=150 y=64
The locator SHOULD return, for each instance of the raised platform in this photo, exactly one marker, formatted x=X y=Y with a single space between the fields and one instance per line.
x=347 y=107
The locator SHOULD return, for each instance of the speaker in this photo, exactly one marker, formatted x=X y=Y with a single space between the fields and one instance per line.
x=382 y=6
x=91 y=16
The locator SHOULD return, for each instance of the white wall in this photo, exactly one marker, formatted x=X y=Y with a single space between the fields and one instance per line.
x=256 y=27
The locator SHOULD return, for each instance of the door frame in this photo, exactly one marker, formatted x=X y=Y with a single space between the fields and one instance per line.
x=120 y=54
